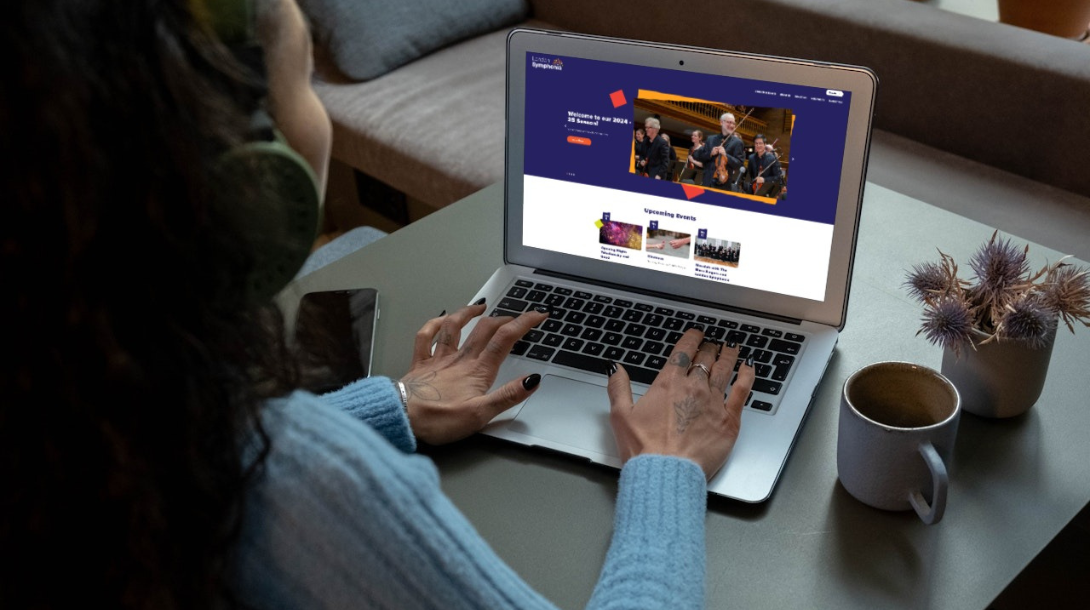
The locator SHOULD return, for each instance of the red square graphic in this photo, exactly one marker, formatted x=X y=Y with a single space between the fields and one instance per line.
x=618 y=98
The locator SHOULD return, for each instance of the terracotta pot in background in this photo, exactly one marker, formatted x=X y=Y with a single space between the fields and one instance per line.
x=1064 y=18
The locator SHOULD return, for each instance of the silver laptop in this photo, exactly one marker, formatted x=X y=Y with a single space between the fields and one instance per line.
x=629 y=245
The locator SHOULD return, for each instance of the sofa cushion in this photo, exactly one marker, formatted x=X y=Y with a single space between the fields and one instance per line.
x=368 y=38
x=433 y=129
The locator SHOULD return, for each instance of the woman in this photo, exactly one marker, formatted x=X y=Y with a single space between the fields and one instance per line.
x=155 y=451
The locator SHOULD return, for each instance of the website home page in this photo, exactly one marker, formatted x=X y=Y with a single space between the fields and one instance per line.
x=703 y=195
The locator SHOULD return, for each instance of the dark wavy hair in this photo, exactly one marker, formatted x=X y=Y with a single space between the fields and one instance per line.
x=134 y=367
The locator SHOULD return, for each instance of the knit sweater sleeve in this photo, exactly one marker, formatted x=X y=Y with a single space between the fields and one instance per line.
x=339 y=518
x=375 y=402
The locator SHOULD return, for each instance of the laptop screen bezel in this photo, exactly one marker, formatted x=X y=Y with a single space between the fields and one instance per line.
x=861 y=82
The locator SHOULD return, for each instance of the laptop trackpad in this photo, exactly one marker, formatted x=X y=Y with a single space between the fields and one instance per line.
x=568 y=412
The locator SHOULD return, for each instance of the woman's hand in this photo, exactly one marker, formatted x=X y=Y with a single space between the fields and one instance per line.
x=684 y=413
x=447 y=386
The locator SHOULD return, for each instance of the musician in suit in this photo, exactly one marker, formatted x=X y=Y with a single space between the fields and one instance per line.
x=673 y=157
x=640 y=149
x=763 y=169
x=726 y=144
x=657 y=162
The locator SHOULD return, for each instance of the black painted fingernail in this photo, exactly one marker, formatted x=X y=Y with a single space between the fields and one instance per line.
x=749 y=360
x=480 y=301
x=531 y=382
x=612 y=368
x=442 y=313
x=541 y=309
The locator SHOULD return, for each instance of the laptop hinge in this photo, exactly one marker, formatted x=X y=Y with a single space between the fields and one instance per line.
x=670 y=297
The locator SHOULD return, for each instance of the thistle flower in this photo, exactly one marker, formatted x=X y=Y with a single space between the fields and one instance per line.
x=1002 y=272
x=1067 y=292
x=1029 y=320
x=927 y=281
x=948 y=322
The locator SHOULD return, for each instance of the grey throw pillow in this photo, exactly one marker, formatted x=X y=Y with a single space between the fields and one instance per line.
x=368 y=38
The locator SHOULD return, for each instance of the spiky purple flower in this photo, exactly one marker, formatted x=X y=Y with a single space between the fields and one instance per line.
x=1067 y=291
x=927 y=281
x=948 y=322
x=1000 y=267
x=1029 y=320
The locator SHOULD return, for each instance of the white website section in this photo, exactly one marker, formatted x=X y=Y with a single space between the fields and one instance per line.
x=748 y=249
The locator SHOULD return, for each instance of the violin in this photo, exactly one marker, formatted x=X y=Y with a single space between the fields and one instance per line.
x=722 y=171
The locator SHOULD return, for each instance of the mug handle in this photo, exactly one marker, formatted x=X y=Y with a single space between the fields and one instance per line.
x=940 y=481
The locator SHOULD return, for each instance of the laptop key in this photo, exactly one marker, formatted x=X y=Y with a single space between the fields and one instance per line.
x=613 y=353
x=696 y=325
x=574 y=303
x=613 y=312
x=643 y=307
x=516 y=292
x=535 y=296
x=573 y=344
x=794 y=337
x=553 y=340
x=592 y=307
x=524 y=283
x=552 y=325
x=540 y=352
x=575 y=317
x=787 y=347
x=635 y=330
x=544 y=287
x=632 y=343
x=533 y=336
x=655 y=334
x=762 y=356
x=520 y=348
x=622 y=303
x=653 y=347
x=554 y=300
x=513 y=304
x=749 y=328
x=499 y=313
x=571 y=330
x=615 y=325
x=579 y=294
x=684 y=315
x=705 y=319
x=737 y=336
x=655 y=362
x=592 y=364
x=728 y=324
x=761 y=405
x=635 y=358
x=673 y=324
x=757 y=341
x=780 y=374
x=663 y=311
x=612 y=339
x=593 y=349
x=783 y=360
x=591 y=334
x=632 y=316
x=673 y=338
x=598 y=298
x=595 y=321
x=653 y=319
x=563 y=291
x=766 y=386
x=772 y=332
x=762 y=370
x=715 y=332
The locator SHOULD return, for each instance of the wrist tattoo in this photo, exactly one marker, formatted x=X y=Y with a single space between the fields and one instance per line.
x=687 y=410
x=422 y=388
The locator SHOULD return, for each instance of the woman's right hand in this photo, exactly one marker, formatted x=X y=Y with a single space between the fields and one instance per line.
x=684 y=413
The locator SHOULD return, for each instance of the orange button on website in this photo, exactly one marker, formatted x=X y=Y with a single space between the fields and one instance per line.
x=578 y=140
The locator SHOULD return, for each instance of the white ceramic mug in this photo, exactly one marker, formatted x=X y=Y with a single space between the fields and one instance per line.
x=898 y=422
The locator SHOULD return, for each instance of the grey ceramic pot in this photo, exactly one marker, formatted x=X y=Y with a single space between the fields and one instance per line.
x=1003 y=378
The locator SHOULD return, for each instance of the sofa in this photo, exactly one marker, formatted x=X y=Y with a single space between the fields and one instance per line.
x=429 y=129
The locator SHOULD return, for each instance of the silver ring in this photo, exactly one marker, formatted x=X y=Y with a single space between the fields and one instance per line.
x=697 y=365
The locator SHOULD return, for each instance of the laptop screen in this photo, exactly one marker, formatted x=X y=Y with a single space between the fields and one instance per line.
x=725 y=179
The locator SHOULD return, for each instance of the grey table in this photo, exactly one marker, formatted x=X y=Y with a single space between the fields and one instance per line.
x=1015 y=484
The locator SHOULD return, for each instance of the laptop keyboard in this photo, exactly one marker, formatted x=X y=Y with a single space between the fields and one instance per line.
x=586 y=331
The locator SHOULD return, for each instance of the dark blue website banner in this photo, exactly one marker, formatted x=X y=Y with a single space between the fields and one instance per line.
x=582 y=115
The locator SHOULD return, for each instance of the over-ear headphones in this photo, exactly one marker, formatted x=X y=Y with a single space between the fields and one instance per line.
x=263 y=184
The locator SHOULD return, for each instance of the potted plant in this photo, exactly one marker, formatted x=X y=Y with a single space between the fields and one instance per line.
x=997 y=330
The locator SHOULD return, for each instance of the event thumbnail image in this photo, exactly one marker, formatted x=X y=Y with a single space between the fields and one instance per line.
x=669 y=243
x=732 y=148
x=613 y=233
x=718 y=252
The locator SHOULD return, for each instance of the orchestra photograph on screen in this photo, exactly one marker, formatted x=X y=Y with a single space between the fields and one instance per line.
x=735 y=149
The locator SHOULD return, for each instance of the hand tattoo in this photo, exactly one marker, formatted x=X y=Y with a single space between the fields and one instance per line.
x=681 y=359
x=421 y=387
x=444 y=338
x=687 y=410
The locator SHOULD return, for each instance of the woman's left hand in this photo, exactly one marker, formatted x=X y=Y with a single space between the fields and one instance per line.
x=447 y=385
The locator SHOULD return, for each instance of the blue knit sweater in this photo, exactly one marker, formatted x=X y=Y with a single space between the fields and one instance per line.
x=346 y=516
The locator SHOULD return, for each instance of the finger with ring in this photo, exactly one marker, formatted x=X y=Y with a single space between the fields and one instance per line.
x=702 y=367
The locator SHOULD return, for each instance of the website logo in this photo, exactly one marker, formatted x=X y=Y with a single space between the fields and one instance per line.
x=545 y=63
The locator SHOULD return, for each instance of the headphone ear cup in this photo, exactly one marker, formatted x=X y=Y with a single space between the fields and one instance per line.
x=270 y=192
